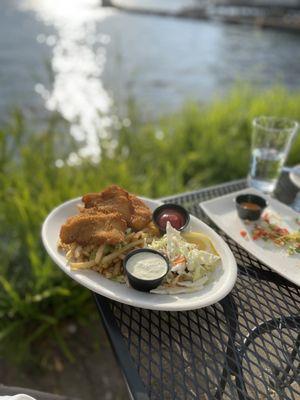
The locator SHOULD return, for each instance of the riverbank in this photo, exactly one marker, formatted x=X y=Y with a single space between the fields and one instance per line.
x=268 y=14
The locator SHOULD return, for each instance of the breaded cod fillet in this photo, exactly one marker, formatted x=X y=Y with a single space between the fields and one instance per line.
x=141 y=215
x=94 y=229
x=111 y=199
x=105 y=218
x=115 y=199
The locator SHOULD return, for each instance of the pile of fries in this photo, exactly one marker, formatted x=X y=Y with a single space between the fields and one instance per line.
x=105 y=259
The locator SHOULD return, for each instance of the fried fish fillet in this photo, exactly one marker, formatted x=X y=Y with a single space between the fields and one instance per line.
x=112 y=199
x=141 y=215
x=108 y=195
x=136 y=213
x=94 y=229
x=105 y=218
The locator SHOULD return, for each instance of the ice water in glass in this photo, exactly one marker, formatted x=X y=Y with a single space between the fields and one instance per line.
x=271 y=141
x=265 y=168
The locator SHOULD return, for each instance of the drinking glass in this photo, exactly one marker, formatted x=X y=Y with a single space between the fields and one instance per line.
x=271 y=141
x=295 y=178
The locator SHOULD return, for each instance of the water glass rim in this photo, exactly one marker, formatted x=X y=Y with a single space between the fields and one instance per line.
x=294 y=125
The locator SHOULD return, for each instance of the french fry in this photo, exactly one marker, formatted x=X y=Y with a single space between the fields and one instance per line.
x=82 y=265
x=69 y=254
x=107 y=259
x=77 y=252
x=117 y=268
x=99 y=254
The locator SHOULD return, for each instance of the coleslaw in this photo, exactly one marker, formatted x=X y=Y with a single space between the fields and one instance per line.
x=190 y=267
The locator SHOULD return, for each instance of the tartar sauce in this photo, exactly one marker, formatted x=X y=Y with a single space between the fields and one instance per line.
x=147 y=265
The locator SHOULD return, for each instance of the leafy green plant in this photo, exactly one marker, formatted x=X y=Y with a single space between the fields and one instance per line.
x=198 y=146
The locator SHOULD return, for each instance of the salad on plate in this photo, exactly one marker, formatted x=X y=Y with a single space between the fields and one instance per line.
x=190 y=267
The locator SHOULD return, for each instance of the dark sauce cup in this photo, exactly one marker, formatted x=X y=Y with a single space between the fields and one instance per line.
x=144 y=285
x=256 y=206
x=182 y=215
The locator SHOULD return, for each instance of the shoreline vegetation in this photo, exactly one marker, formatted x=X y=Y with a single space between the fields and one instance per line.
x=198 y=146
x=261 y=14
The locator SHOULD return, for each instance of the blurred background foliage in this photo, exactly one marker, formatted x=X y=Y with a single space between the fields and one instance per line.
x=199 y=146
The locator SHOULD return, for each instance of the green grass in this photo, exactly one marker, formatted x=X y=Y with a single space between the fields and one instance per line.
x=196 y=147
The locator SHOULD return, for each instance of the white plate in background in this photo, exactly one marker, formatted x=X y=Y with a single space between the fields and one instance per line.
x=222 y=212
x=224 y=276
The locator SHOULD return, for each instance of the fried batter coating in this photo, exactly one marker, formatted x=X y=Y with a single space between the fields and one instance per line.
x=105 y=217
x=141 y=215
x=109 y=194
x=134 y=211
x=94 y=229
x=111 y=199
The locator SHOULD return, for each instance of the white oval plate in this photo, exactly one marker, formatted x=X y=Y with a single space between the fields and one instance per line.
x=223 y=282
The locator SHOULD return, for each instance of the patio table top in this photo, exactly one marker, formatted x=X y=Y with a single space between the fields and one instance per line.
x=247 y=346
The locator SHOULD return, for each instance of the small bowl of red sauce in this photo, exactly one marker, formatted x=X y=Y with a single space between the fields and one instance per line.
x=250 y=206
x=178 y=217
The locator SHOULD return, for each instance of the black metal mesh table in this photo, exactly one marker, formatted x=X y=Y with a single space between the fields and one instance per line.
x=245 y=347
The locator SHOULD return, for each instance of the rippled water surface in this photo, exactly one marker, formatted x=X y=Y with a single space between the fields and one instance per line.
x=74 y=57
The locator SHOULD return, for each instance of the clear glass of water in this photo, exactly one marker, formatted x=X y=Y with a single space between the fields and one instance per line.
x=271 y=142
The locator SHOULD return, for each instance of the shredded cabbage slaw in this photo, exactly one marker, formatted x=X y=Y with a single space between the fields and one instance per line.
x=190 y=267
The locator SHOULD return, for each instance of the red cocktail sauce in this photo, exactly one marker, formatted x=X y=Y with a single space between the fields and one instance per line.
x=176 y=219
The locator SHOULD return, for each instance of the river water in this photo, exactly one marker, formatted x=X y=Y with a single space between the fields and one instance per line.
x=86 y=62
